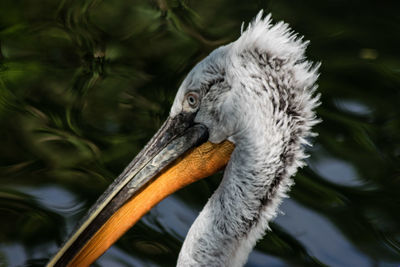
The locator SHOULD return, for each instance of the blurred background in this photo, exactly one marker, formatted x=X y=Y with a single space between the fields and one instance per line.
x=84 y=84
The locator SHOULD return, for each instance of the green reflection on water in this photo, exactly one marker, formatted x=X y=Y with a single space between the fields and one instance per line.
x=84 y=85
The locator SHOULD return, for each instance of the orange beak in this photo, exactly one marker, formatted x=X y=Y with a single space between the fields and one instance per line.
x=174 y=158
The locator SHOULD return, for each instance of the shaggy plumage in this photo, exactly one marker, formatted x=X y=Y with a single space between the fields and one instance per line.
x=258 y=92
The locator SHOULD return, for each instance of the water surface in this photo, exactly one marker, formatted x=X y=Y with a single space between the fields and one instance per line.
x=85 y=84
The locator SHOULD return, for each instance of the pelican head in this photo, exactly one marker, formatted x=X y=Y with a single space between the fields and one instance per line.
x=247 y=106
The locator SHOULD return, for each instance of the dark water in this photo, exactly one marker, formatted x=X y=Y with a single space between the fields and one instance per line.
x=84 y=84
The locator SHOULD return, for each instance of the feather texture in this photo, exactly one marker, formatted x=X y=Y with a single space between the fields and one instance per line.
x=258 y=92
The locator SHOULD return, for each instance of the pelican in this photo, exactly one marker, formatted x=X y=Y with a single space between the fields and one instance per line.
x=249 y=106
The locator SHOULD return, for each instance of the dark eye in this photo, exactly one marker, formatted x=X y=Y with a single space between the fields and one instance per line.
x=192 y=99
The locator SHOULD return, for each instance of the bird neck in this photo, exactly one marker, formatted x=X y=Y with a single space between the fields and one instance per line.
x=254 y=182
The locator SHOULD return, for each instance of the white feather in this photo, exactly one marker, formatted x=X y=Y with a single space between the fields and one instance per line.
x=263 y=102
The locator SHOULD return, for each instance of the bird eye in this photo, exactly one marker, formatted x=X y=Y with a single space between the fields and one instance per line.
x=192 y=99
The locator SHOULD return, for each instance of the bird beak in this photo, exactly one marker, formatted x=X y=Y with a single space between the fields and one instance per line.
x=176 y=156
